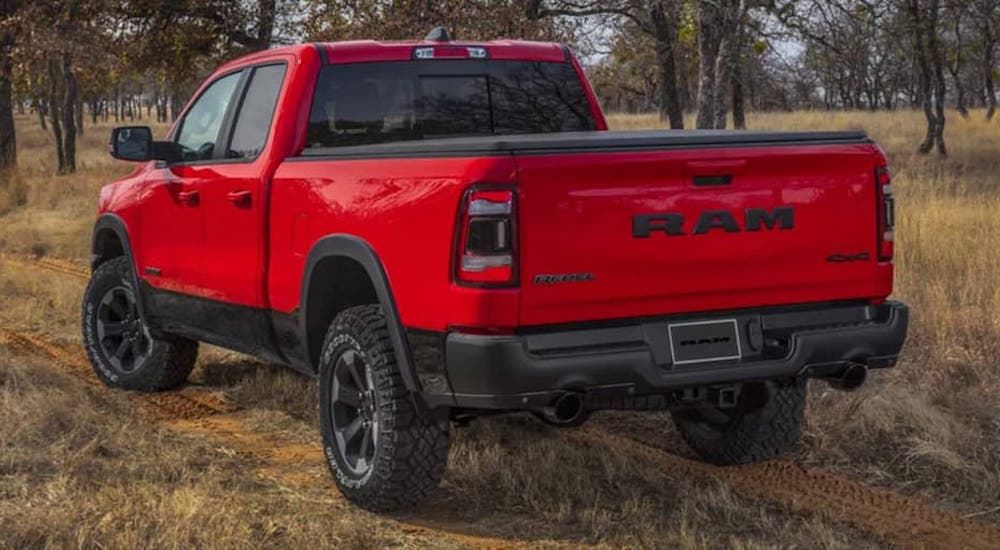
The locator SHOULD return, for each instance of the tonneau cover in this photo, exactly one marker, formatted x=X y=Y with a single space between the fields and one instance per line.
x=571 y=142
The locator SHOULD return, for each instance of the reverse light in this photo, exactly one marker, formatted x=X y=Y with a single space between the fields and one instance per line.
x=886 y=213
x=486 y=252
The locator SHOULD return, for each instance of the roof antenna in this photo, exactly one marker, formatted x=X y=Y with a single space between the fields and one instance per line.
x=438 y=34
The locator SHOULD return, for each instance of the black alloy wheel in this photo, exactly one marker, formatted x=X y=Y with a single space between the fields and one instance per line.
x=354 y=411
x=123 y=337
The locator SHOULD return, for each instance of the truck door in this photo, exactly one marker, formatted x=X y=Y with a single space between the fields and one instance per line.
x=170 y=254
x=235 y=199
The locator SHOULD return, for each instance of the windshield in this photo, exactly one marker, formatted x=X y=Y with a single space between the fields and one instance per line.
x=366 y=103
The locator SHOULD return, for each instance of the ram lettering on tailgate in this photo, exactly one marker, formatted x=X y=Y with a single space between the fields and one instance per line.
x=672 y=223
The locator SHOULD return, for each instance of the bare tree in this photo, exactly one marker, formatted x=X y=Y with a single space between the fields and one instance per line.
x=987 y=18
x=922 y=24
x=657 y=18
x=718 y=26
x=8 y=138
x=663 y=18
x=957 y=12
x=739 y=64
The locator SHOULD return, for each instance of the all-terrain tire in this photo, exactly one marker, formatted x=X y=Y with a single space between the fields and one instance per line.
x=166 y=361
x=762 y=433
x=409 y=452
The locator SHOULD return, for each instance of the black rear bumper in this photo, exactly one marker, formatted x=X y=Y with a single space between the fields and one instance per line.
x=528 y=371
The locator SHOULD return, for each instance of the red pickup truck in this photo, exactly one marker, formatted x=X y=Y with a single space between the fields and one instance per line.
x=441 y=230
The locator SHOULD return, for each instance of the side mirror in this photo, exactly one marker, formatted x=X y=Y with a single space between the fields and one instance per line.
x=135 y=143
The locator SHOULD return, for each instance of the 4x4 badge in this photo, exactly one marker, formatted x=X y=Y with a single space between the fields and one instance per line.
x=844 y=258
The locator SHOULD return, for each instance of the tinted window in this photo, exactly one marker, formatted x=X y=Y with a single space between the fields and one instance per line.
x=453 y=105
x=537 y=98
x=256 y=112
x=366 y=103
x=200 y=127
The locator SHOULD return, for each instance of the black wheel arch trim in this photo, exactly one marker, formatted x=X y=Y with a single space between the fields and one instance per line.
x=357 y=249
x=115 y=224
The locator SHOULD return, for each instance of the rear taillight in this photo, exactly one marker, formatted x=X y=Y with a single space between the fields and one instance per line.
x=886 y=208
x=486 y=253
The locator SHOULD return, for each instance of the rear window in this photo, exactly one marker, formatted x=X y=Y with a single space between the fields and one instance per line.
x=366 y=103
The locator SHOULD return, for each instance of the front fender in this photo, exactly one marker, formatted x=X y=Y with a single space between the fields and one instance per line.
x=111 y=228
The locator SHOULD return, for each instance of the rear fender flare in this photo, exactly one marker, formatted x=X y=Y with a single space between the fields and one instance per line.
x=357 y=249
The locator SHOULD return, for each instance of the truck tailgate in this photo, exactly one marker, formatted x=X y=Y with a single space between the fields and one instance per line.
x=613 y=233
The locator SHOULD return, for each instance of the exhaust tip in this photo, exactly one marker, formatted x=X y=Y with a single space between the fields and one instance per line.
x=851 y=378
x=566 y=411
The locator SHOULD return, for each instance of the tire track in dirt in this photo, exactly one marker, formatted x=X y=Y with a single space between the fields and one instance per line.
x=186 y=403
x=208 y=416
x=904 y=521
x=57 y=265
x=300 y=466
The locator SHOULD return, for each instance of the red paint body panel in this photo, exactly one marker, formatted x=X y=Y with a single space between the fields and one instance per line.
x=211 y=247
x=405 y=210
x=574 y=215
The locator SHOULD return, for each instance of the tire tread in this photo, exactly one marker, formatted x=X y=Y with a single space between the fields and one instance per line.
x=753 y=437
x=414 y=458
x=172 y=358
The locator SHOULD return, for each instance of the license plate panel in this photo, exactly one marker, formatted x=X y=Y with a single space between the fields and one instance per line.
x=704 y=341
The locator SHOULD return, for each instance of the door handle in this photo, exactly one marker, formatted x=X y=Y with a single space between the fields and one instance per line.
x=188 y=197
x=707 y=173
x=241 y=197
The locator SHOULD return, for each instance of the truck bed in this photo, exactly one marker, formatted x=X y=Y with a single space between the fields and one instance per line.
x=580 y=197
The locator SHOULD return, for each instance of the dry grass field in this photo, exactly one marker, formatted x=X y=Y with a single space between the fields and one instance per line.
x=912 y=459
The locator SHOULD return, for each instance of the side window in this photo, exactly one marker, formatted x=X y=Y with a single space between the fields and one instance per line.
x=254 y=120
x=200 y=127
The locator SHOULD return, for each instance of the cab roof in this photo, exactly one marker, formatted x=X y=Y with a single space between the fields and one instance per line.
x=360 y=51
x=511 y=50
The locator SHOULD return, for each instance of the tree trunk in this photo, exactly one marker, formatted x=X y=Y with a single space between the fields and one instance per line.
x=723 y=81
x=709 y=24
x=176 y=104
x=42 y=112
x=739 y=104
x=54 y=114
x=719 y=25
x=265 y=26
x=923 y=28
x=8 y=137
x=79 y=114
x=956 y=68
x=664 y=23
x=940 y=88
x=69 y=115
